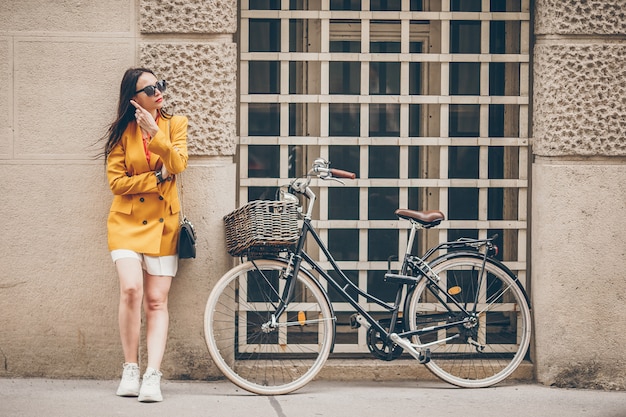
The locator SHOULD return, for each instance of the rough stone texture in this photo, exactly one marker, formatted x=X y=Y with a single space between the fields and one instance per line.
x=579 y=255
x=188 y=16
x=6 y=82
x=203 y=80
x=579 y=99
x=575 y=17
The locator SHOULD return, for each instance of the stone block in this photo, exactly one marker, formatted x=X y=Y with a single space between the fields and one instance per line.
x=6 y=96
x=579 y=99
x=203 y=86
x=575 y=17
x=188 y=16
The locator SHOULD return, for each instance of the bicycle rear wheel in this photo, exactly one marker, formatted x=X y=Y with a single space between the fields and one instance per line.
x=253 y=348
x=493 y=339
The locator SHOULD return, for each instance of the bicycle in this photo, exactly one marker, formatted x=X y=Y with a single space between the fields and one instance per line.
x=269 y=324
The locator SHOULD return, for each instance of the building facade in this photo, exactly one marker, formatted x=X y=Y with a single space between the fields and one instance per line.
x=506 y=115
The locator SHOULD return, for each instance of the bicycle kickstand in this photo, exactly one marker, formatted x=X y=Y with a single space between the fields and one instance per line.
x=422 y=356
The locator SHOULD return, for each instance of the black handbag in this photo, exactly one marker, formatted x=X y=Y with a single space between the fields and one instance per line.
x=186 y=240
x=187 y=233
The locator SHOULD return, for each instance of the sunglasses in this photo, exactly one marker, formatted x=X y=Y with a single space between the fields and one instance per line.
x=150 y=90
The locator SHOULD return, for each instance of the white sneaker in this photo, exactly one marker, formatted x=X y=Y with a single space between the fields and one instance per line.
x=129 y=385
x=151 y=387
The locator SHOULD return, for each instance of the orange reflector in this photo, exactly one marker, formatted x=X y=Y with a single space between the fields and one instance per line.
x=454 y=290
x=301 y=318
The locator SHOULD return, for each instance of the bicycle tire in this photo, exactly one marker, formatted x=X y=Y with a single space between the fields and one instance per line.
x=502 y=326
x=257 y=357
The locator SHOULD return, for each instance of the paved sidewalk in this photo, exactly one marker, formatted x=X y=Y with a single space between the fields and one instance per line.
x=88 y=398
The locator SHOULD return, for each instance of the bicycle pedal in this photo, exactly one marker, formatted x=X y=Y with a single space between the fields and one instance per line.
x=424 y=356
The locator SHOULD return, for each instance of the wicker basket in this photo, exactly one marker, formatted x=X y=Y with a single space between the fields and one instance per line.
x=262 y=225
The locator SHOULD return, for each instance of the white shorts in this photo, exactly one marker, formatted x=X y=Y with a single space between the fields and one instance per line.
x=154 y=265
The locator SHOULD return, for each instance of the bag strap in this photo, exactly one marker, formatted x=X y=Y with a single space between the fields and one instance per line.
x=179 y=176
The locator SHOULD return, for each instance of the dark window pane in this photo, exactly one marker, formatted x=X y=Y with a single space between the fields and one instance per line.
x=414 y=198
x=296 y=33
x=505 y=6
x=344 y=244
x=465 y=78
x=382 y=203
x=464 y=120
x=344 y=119
x=415 y=78
x=262 y=193
x=263 y=77
x=496 y=162
x=417 y=6
x=415 y=118
x=345 y=157
x=345 y=4
x=463 y=161
x=464 y=37
x=264 y=4
x=463 y=203
x=384 y=78
x=496 y=78
x=345 y=46
x=496 y=120
x=416 y=47
x=414 y=162
x=384 y=161
x=264 y=35
x=454 y=234
x=344 y=77
x=382 y=243
x=497 y=38
x=343 y=203
x=465 y=5
x=263 y=119
x=263 y=161
x=385 y=5
x=495 y=202
x=384 y=120
x=381 y=47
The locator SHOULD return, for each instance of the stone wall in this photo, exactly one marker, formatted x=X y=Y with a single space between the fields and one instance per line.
x=578 y=194
x=60 y=68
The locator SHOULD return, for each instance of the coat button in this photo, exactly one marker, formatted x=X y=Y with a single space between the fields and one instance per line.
x=161 y=220
x=160 y=197
x=145 y=222
x=142 y=199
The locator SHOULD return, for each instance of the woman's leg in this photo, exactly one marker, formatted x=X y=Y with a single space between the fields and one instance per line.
x=131 y=277
x=156 y=290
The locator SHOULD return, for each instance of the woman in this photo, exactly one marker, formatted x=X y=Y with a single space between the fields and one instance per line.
x=145 y=149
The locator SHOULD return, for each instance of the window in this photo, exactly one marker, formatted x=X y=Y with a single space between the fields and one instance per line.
x=430 y=110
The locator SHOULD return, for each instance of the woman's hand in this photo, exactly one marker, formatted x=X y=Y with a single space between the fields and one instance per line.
x=145 y=120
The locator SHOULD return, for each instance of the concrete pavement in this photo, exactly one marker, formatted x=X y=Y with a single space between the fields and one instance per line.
x=89 y=398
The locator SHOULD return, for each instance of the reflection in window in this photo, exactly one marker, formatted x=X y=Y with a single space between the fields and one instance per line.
x=263 y=119
x=344 y=244
x=385 y=5
x=384 y=161
x=465 y=78
x=464 y=37
x=344 y=119
x=343 y=203
x=344 y=77
x=263 y=77
x=463 y=203
x=463 y=161
x=384 y=78
x=384 y=120
x=464 y=120
x=345 y=4
x=264 y=35
x=263 y=161
x=415 y=78
x=382 y=243
x=385 y=36
x=382 y=202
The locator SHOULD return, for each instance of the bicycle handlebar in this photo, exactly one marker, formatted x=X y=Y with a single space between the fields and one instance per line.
x=339 y=173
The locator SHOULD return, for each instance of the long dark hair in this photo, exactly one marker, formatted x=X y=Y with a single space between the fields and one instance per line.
x=125 y=110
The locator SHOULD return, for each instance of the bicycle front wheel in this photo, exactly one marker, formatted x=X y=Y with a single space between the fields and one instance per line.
x=493 y=327
x=252 y=346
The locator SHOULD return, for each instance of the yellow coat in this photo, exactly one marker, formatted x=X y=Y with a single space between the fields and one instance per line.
x=144 y=215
